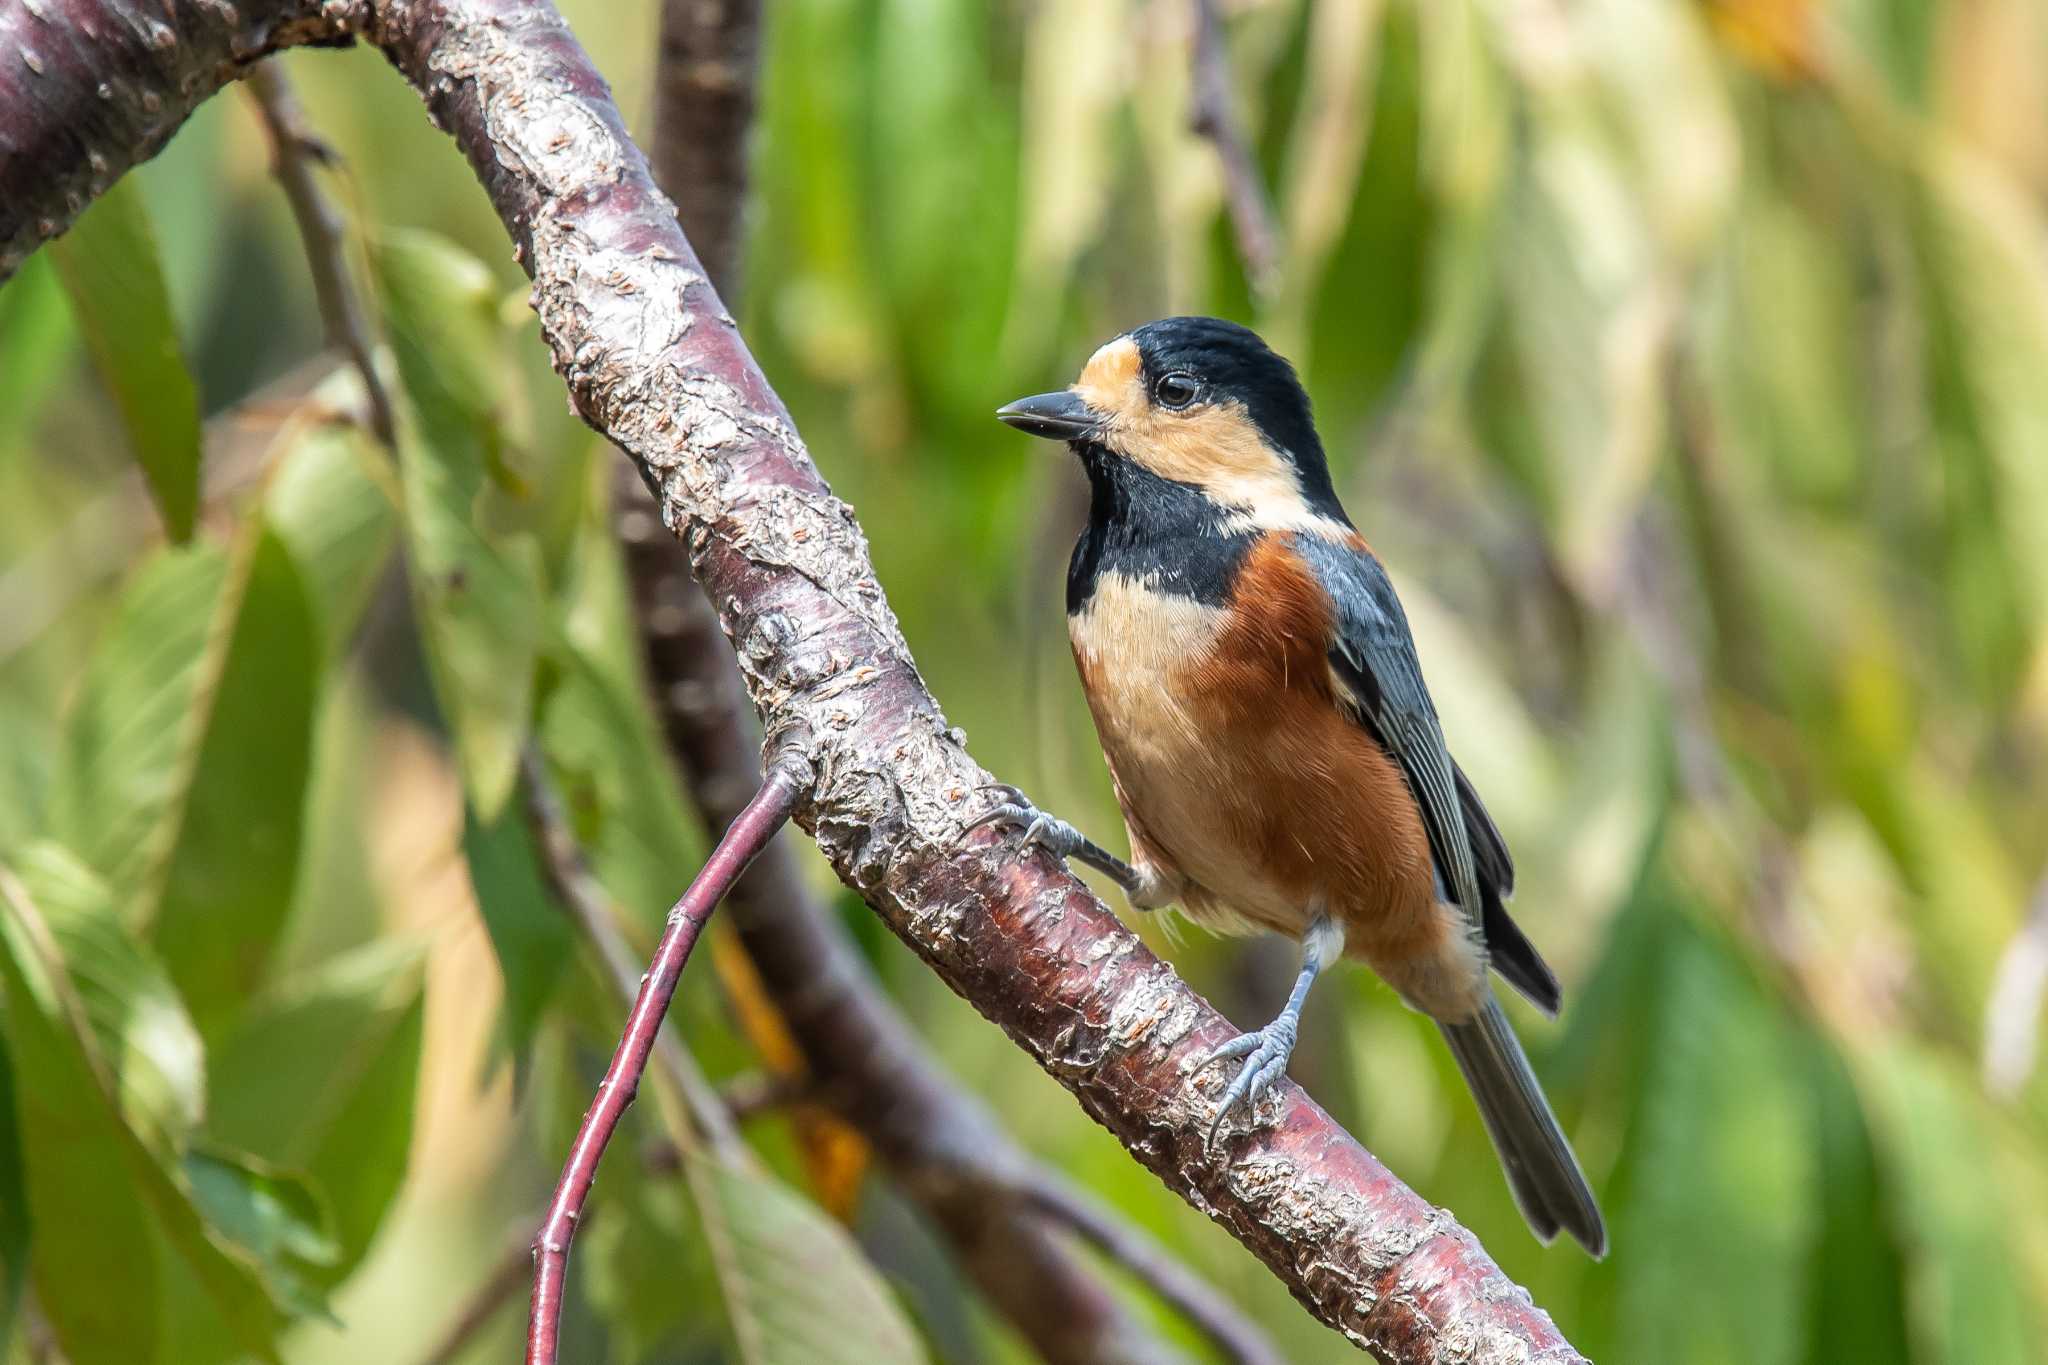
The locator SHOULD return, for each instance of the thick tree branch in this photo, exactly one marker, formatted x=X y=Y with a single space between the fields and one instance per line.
x=89 y=89
x=653 y=360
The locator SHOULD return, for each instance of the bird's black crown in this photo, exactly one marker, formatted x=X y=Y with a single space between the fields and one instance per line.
x=1234 y=364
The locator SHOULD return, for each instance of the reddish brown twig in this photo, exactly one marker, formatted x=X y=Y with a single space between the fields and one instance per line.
x=1244 y=190
x=767 y=812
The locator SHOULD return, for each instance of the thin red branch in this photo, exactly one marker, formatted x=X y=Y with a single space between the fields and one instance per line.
x=767 y=812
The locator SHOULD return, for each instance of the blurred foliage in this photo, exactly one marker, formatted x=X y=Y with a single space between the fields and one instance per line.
x=1684 y=360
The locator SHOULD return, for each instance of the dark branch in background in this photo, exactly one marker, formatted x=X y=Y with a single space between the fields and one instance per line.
x=703 y=112
x=944 y=1149
x=1244 y=190
x=652 y=360
x=294 y=153
x=765 y=814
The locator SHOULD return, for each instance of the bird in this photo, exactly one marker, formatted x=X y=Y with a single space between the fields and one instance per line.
x=1275 y=753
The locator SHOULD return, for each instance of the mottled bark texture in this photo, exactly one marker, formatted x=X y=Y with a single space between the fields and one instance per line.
x=654 y=362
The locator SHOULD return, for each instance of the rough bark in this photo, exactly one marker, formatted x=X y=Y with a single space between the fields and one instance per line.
x=653 y=361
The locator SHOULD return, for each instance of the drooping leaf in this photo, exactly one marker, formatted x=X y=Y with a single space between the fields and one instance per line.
x=618 y=785
x=35 y=339
x=151 y=1053
x=479 y=599
x=14 y=1223
x=644 y=1266
x=328 y=502
x=229 y=884
x=1726 y=1187
x=106 y=1208
x=319 y=1077
x=133 y=729
x=1966 y=1299
x=529 y=933
x=798 y=1291
x=275 y=1217
x=108 y=262
x=91 y=1230
x=1857 y=1299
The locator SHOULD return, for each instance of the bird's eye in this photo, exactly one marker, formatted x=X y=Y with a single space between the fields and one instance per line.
x=1176 y=390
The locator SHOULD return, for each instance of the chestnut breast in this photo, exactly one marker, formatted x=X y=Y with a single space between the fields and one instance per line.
x=1222 y=728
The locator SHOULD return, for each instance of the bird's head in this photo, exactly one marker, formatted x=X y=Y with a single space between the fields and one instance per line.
x=1199 y=402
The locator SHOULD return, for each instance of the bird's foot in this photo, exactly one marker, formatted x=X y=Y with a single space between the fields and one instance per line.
x=1265 y=1053
x=1044 y=831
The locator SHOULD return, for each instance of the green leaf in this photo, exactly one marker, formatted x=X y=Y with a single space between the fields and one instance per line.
x=91 y=1230
x=1724 y=1177
x=1857 y=1307
x=276 y=1218
x=229 y=885
x=645 y=1268
x=320 y=1077
x=108 y=262
x=798 y=1291
x=35 y=339
x=331 y=502
x=529 y=932
x=133 y=730
x=151 y=1053
x=479 y=600
x=1967 y=1300
x=14 y=1223
x=107 y=1210
x=620 y=790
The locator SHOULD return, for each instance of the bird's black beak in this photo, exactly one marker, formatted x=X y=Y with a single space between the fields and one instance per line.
x=1058 y=416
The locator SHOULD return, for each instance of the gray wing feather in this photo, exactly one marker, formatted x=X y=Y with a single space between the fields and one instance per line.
x=1376 y=654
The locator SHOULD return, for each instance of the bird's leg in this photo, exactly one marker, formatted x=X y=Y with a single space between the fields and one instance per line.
x=1266 y=1051
x=1061 y=839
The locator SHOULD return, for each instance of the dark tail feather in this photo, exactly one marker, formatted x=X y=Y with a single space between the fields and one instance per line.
x=1541 y=1169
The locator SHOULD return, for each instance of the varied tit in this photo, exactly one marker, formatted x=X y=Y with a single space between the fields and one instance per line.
x=1275 y=753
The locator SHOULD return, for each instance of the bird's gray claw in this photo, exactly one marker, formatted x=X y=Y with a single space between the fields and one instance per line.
x=1266 y=1053
x=1040 y=830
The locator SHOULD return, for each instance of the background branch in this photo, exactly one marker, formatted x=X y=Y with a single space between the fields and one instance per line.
x=1244 y=189
x=294 y=152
